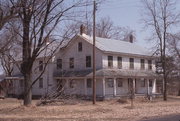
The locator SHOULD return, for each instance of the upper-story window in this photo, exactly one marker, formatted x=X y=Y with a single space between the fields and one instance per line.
x=150 y=64
x=59 y=63
x=131 y=63
x=119 y=59
x=88 y=61
x=142 y=64
x=40 y=65
x=80 y=46
x=71 y=62
x=110 y=61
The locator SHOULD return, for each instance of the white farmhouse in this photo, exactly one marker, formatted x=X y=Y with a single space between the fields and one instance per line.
x=118 y=63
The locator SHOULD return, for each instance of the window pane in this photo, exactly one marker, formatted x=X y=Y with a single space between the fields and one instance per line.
x=80 y=46
x=110 y=61
x=21 y=82
x=120 y=62
x=149 y=64
x=142 y=64
x=109 y=83
x=131 y=60
x=150 y=83
x=88 y=61
x=72 y=84
x=119 y=82
x=89 y=83
x=59 y=63
x=40 y=65
x=71 y=63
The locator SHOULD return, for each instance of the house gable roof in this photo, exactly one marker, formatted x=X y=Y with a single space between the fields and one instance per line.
x=117 y=46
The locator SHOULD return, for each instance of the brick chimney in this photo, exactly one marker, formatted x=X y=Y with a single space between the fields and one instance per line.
x=131 y=38
x=82 y=29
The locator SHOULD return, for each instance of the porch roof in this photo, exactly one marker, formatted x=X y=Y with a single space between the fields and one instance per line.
x=15 y=77
x=108 y=73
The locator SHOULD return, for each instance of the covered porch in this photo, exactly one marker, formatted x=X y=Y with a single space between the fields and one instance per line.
x=109 y=82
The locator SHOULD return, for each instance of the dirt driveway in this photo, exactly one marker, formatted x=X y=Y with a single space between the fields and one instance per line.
x=12 y=109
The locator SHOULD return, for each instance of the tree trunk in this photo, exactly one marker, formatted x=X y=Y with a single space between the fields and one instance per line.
x=27 y=89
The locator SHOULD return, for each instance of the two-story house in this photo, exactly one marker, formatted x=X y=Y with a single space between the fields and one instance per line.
x=118 y=63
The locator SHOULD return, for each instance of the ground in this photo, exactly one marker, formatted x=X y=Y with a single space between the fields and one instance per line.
x=112 y=110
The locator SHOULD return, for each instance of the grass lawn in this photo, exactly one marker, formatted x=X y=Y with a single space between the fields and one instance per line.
x=78 y=110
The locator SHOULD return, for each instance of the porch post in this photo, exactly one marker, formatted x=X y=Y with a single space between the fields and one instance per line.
x=134 y=86
x=148 y=86
x=114 y=79
x=85 y=86
x=103 y=84
x=154 y=86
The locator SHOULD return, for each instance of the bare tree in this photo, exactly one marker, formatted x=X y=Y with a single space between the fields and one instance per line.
x=105 y=28
x=174 y=49
x=38 y=21
x=160 y=16
x=8 y=12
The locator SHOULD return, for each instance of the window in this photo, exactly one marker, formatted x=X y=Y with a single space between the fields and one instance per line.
x=143 y=83
x=89 y=83
x=59 y=63
x=142 y=64
x=80 y=46
x=110 y=61
x=40 y=65
x=21 y=83
x=60 y=84
x=150 y=64
x=71 y=63
x=41 y=83
x=131 y=62
x=109 y=83
x=72 y=84
x=150 y=83
x=88 y=61
x=119 y=62
x=119 y=82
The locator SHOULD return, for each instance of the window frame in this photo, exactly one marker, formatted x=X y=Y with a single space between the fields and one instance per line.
x=89 y=83
x=72 y=84
x=149 y=64
x=88 y=62
x=21 y=83
x=71 y=63
x=131 y=63
x=40 y=65
x=109 y=83
x=110 y=61
x=150 y=83
x=59 y=63
x=80 y=48
x=119 y=82
x=142 y=64
x=119 y=60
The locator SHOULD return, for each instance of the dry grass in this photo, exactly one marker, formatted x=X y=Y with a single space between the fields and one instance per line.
x=113 y=110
